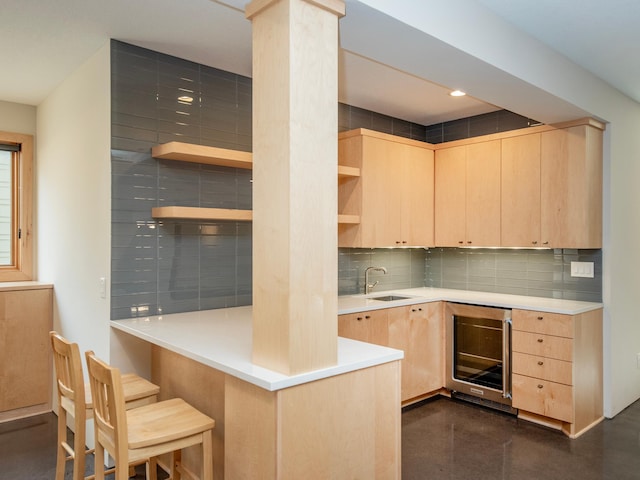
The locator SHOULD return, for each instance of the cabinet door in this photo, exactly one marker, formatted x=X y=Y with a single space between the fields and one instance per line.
x=483 y=194
x=571 y=187
x=381 y=193
x=25 y=354
x=370 y=327
x=520 y=204
x=416 y=185
x=450 y=197
x=417 y=330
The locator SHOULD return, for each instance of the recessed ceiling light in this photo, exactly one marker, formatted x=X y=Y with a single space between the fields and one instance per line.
x=185 y=99
x=457 y=93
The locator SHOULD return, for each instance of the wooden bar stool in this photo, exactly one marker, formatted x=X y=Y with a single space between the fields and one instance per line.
x=146 y=432
x=73 y=392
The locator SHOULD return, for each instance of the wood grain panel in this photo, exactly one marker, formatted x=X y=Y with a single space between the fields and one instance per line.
x=543 y=322
x=543 y=397
x=541 y=345
x=483 y=194
x=25 y=352
x=520 y=186
x=450 y=197
x=558 y=371
x=202 y=387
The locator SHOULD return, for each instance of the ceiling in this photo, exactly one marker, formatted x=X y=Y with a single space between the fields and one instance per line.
x=44 y=42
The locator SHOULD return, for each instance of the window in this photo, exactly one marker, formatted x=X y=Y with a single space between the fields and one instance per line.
x=16 y=205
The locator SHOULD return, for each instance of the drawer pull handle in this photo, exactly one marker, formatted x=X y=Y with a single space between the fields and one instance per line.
x=540 y=362
x=359 y=318
x=367 y=317
x=540 y=385
x=540 y=318
x=540 y=340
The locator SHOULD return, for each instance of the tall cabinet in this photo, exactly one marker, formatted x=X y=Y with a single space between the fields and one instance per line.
x=25 y=355
x=393 y=196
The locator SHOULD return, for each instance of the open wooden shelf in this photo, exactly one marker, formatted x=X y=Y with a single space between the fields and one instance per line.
x=348 y=172
x=200 y=213
x=348 y=219
x=188 y=152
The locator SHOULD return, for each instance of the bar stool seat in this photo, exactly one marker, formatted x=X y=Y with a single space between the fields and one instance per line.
x=144 y=433
x=72 y=391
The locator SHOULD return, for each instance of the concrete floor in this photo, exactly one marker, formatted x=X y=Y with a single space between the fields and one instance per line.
x=441 y=439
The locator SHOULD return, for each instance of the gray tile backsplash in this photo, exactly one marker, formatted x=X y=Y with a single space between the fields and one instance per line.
x=177 y=266
x=539 y=273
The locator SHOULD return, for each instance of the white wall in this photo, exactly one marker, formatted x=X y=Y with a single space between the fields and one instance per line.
x=74 y=201
x=17 y=118
x=517 y=72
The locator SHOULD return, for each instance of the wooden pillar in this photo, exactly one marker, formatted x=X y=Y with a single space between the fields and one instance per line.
x=295 y=125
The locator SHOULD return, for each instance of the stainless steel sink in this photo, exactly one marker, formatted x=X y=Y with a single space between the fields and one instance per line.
x=389 y=298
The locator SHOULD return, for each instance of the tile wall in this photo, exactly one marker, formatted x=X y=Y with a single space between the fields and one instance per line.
x=405 y=268
x=178 y=266
x=538 y=273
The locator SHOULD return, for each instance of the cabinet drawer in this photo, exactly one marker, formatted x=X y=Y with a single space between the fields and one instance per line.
x=543 y=397
x=542 y=322
x=548 y=346
x=550 y=369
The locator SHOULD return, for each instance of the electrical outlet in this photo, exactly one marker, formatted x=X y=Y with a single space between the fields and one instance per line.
x=582 y=269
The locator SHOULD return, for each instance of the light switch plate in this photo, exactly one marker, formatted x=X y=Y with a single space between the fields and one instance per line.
x=582 y=269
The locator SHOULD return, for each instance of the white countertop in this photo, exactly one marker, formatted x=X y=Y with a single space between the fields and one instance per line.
x=222 y=339
x=359 y=303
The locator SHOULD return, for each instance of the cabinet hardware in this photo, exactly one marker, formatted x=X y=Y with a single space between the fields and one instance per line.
x=367 y=316
x=469 y=242
x=540 y=385
x=539 y=340
x=540 y=318
x=359 y=318
x=460 y=242
x=540 y=363
x=534 y=242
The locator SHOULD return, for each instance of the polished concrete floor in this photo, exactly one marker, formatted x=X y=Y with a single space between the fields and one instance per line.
x=441 y=439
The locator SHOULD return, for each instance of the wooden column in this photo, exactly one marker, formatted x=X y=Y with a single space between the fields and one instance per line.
x=295 y=77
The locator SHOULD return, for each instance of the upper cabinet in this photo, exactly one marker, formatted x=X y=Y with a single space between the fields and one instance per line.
x=521 y=192
x=552 y=188
x=393 y=195
x=467 y=195
x=571 y=187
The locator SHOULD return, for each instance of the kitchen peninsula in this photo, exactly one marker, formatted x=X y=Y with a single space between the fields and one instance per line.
x=205 y=357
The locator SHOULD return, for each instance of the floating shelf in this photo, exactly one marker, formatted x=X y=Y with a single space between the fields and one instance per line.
x=349 y=219
x=188 y=152
x=348 y=172
x=199 y=213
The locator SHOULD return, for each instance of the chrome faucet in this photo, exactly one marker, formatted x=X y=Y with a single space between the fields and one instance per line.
x=368 y=286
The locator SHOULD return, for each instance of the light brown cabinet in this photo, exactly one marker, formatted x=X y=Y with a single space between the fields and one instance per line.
x=415 y=329
x=371 y=326
x=467 y=195
x=393 y=195
x=552 y=188
x=557 y=368
x=25 y=355
x=520 y=184
x=571 y=187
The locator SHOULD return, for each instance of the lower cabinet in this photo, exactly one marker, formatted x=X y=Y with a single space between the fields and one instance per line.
x=557 y=367
x=25 y=355
x=415 y=329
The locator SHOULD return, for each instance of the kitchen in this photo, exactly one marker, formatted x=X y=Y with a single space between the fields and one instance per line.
x=69 y=244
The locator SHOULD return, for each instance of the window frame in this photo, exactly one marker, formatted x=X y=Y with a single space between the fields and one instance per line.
x=22 y=253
